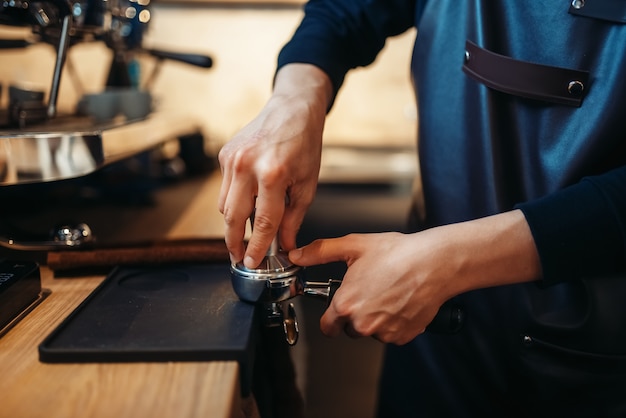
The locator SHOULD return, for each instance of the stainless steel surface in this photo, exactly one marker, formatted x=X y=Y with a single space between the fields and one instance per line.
x=274 y=281
x=66 y=148
x=290 y=325
x=322 y=289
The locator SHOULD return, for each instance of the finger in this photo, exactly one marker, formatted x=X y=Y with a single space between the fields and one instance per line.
x=331 y=325
x=223 y=158
x=224 y=189
x=292 y=220
x=335 y=319
x=349 y=330
x=288 y=231
x=324 y=251
x=270 y=206
x=234 y=232
x=238 y=206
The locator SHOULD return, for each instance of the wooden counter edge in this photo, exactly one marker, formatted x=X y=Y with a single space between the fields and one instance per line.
x=29 y=388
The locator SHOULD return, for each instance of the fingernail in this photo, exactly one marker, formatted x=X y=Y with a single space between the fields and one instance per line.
x=295 y=254
x=249 y=262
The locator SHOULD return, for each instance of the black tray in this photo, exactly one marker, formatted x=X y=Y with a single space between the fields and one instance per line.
x=185 y=313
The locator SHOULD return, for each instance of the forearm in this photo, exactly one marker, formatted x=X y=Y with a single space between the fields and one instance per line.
x=396 y=283
x=304 y=83
x=486 y=252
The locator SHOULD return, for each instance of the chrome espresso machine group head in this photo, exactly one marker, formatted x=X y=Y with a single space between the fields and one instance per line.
x=275 y=281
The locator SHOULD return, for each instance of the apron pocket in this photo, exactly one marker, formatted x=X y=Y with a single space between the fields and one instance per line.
x=525 y=79
x=560 y=381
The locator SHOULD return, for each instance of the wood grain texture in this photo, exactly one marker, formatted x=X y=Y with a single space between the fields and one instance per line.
x=29 y=388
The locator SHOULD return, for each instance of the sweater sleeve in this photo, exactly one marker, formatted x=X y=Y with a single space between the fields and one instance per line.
x=337 y=36
x=580 y=231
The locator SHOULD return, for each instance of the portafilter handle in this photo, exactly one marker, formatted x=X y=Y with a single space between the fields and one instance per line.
x=289 y=320
x=324 y=290
x=276 y=315
x=276 y=280
x=449 y=319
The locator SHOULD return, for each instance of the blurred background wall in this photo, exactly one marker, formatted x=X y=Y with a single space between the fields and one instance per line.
x=374 y=109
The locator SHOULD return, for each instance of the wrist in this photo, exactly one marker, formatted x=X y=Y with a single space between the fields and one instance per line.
x=304 y=83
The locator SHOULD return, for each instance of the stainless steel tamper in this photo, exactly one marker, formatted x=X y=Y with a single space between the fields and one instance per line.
x=275 y=281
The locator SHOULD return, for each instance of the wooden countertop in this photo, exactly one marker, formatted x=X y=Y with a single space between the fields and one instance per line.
x=29 y=388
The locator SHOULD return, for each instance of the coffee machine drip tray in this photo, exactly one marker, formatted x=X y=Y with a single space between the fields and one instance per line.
x=69 y=147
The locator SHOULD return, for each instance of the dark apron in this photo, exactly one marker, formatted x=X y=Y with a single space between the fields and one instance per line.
x=517 y=103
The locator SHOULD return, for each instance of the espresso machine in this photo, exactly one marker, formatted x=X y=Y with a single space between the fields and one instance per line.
x=30 y=122
x=41 y=146
x=120 y=24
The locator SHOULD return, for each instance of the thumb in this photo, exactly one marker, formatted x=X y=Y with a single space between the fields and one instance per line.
x=320 y=251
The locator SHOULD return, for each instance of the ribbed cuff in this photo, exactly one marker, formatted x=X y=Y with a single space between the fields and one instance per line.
x=576 y=233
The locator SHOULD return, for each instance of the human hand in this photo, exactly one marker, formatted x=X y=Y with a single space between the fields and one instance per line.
x=271 y=166
x=396 y=283
x=390 y=290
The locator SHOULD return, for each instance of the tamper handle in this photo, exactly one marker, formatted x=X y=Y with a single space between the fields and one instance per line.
x=273 y=248
x=449 y=320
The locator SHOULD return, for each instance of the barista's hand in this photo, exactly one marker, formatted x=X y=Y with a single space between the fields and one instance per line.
x=388 y=292
x=273 y=163
x=396 y=283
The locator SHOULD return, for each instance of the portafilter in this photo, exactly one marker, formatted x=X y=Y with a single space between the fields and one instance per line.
x=276 y=280
x=273 y=282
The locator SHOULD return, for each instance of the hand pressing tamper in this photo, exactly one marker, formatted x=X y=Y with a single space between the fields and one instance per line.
x=275 y=281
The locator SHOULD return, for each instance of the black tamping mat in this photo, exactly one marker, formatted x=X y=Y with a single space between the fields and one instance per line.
x=159 y=314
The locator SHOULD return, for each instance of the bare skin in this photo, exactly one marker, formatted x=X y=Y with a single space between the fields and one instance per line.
x=395 y=282
x=274 y=158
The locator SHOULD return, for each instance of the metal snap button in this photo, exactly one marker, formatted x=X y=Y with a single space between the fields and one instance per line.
x=575 y=88
x=467 y=56
x=578 y=4
x=527 y=340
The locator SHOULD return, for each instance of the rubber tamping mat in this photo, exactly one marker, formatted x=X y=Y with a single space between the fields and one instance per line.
x=174 y=313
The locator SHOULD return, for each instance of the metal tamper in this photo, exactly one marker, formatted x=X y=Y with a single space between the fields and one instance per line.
x=275 y=281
